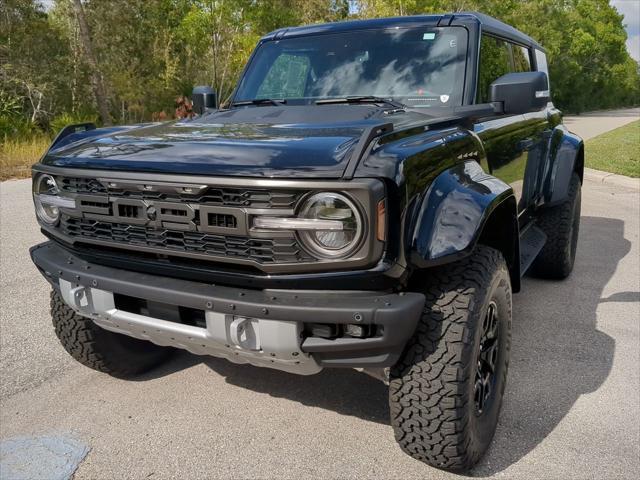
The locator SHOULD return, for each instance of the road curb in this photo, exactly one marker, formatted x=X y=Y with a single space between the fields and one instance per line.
x=612 y=179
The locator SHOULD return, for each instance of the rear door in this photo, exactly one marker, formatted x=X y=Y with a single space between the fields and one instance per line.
x=537 y=132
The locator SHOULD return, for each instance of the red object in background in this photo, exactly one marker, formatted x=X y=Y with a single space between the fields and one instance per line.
x=184 y=107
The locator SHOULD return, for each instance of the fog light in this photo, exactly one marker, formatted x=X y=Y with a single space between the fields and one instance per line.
x=323 y=330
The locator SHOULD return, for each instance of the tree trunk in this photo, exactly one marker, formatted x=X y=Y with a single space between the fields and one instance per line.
x=96 y=77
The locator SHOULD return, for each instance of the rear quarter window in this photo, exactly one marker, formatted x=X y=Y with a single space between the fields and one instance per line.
x=541 y=66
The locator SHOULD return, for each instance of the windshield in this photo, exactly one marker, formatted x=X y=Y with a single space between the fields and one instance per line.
x=420 y=67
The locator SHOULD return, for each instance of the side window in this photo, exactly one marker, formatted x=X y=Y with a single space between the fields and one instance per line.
x=287 y=77
x=541 y=62
x=494 y=62
x=521 y=58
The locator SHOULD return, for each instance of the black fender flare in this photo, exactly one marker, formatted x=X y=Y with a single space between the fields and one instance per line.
x=463 y=205
x=566 y=156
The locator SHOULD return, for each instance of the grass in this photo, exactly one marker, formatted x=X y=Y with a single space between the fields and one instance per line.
x=17 y=156
x=617 y=151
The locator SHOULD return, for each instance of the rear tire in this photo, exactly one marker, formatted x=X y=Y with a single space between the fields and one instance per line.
x=561 y=224
x=446 y=391
x=94 y=347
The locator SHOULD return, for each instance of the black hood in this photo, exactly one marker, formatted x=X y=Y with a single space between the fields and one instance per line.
x=283 y=141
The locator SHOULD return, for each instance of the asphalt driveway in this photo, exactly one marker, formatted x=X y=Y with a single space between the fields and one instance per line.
x=572 y=407
x=592 y=124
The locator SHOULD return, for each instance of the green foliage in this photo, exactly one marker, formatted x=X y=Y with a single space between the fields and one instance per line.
x=10 y=105
x=16 y=126
x=151 y=52
x=64 y=119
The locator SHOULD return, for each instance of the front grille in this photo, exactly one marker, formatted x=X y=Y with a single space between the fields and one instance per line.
x=80 y=185
x=264 y=251
x=203 y=225
x=128 y=211
x=222 y=220
x=220 y=196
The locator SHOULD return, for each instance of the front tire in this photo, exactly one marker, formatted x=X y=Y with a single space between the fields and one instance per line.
x=446 y=391
x=94 y=347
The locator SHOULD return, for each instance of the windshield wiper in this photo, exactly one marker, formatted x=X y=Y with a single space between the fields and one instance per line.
x=360 y=99
x=260 y=101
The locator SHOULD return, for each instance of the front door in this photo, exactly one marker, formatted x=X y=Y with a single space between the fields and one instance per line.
x=514 y=144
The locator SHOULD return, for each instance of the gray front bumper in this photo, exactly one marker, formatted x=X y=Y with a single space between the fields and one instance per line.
x=235 y=317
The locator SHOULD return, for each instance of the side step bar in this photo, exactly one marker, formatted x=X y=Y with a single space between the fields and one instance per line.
x=531 y=242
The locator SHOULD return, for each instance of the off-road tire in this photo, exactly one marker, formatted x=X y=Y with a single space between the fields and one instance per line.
x=108 y=352
x=432 y=387
x=561 y=225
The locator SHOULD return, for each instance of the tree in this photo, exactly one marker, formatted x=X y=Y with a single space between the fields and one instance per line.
x=96 y=77
x=130 y=59
x=33 y=60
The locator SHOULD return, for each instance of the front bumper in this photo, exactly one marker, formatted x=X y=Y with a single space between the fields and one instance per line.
x=260 y=327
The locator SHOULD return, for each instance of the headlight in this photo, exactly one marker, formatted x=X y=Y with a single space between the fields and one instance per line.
x=339 y=225
x=47 y=201
x=328 y=225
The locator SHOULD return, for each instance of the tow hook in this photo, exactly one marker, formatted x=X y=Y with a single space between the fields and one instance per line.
x=79 y=296
x=244 y=333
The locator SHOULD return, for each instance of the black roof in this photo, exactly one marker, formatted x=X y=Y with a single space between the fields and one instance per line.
x=495 y=26
x=488 y=24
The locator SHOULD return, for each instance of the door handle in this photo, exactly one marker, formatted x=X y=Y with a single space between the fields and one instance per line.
x=525 y=145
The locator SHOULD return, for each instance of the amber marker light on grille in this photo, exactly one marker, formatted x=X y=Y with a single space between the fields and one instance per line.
x=381 y=225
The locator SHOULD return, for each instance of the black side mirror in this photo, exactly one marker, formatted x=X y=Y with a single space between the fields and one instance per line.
x=520 y=92
x=203 y=97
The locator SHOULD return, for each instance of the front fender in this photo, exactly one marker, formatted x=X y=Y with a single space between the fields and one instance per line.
x=452 y=213
x=566 y=155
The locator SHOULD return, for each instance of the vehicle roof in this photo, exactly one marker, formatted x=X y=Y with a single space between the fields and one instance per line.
x=488 y=24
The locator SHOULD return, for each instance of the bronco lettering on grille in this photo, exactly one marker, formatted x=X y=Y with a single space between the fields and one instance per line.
x=160 y=214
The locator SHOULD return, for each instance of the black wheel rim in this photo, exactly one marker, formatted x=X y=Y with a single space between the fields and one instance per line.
x=487 y=361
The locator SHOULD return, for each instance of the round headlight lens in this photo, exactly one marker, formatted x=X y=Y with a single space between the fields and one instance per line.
x=333 y=243
x=46 y=185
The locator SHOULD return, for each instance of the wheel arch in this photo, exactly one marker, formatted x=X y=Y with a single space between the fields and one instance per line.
x=579 y=163
x=501 y=231
x=463 y=207
x=566 y=157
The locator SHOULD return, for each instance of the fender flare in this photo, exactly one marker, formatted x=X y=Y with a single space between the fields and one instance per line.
x=566 y=156
x=451 y=217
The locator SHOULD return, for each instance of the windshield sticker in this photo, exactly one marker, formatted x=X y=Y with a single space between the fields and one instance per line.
x=429 y=36
x=444 y=98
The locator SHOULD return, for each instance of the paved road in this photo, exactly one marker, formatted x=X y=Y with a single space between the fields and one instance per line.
x=572 y=404
x=592 y=124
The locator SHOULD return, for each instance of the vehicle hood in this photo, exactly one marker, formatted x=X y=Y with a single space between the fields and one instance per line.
x=291 y=141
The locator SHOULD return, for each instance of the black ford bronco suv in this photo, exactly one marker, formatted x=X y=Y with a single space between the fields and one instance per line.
x=369 y=197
